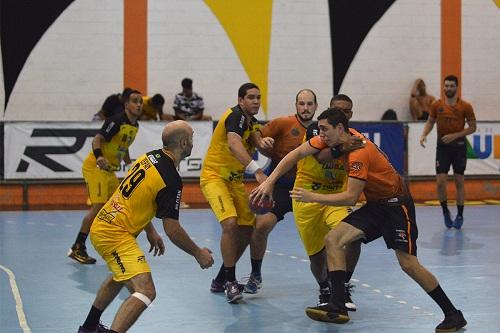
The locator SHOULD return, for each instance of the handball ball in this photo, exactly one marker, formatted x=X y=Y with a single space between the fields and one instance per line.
x=263 y=208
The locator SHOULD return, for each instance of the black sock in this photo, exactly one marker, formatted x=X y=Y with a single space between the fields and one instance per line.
x=221 y=276
x=92 y=319
x=230 y=273
x=324 y=284
x=337 y=279
x=348 y=276
x=442 y=300
x=460 y=210
x=81 y=238
x=444 y=205
x=256 y=264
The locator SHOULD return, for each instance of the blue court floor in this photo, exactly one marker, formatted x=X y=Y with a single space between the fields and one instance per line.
x=41 y=290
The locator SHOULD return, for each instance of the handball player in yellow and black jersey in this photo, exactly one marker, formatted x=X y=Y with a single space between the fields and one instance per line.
x=228 y=157
x=152 y=188
x=109 y=149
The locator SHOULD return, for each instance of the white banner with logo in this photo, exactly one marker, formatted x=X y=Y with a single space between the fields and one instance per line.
x=57 y=150
x=483 y=150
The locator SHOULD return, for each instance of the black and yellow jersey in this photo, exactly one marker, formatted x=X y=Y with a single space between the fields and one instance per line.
x=119 y=134
x=316 y=177
x=219 y=161
x=153 y=187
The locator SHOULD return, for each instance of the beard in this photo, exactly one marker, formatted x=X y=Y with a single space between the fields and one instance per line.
x=305 y=118
x=450 y=94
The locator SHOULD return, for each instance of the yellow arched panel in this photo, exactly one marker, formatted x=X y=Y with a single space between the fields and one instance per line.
x=248 y=25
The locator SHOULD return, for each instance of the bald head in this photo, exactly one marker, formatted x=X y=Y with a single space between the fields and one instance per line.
x=174 y=132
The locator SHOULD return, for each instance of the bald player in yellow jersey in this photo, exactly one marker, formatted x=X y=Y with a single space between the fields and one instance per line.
x=152 y=188
x=109 y=149
x=228 y=157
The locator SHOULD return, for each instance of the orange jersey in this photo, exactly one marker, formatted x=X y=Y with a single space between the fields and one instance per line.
x=288 y=133
x=371 y=165
x=451 y=118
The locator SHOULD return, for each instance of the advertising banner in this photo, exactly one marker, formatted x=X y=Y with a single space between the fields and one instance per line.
x=389 y=137
x=483 y=150
x=57 y=150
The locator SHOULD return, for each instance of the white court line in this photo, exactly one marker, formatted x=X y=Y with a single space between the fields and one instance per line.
x=19 y=302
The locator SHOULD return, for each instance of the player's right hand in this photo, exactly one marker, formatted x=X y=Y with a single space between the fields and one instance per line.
x=262 y=192
x=102 y=163
x=423 y=139
x=205 y=258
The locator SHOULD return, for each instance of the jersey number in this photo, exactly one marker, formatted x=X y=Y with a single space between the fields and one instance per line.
x=135 y=177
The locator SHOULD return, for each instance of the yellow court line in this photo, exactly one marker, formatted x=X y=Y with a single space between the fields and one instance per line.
x=17 y=297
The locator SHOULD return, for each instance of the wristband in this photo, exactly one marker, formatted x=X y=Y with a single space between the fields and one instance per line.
x=97 y=152
x=252 y=167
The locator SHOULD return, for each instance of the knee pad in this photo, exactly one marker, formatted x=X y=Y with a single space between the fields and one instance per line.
x=143 y=298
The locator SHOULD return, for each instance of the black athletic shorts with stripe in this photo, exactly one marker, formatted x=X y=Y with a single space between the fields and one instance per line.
x=393 y=219
x=282 y=200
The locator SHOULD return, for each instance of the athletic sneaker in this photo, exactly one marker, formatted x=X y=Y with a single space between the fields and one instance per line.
x=253 y=284
x=452 y=323
x=329 y=312
x=102 y=329
x=233 y=292
x=99 y=329
x=448 y=222
x=349 y=304
x=324 y=296
x=217 y=287
x=79 y=253
x=459 y=220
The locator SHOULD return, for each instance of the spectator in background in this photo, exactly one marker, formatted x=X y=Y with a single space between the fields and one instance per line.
x=188 y=105
x=389 y=114
x=420 y=101
x=113 y=105
x=152 y=108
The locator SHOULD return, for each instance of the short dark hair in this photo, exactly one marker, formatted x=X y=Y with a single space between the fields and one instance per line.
x=309 y=90
x=335 y=116
x=341 y=97
x=158 y=100
x=187 y=83
x=126 y=91
x=242 y=92
x=451 y=78
x=127 y=94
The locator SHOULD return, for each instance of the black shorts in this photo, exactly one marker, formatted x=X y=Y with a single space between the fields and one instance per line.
x=447 y=156
x=396 y=223
x=282 y=200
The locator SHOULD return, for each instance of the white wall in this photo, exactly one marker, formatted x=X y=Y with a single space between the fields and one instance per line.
x=79 y=61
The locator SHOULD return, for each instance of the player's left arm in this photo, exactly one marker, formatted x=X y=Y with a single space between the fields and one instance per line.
x=154 y=240
x=347 y=198
x=471 y=128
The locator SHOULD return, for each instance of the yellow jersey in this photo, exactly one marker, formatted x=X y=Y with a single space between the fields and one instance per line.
x=219 y=161
x=316 y=177
x=153 y=187
x=119 y=134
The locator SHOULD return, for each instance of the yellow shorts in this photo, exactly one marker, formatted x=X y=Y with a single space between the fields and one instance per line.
x=227 y=200
x=122 y=254
x=100 y=184
x=314 y=221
